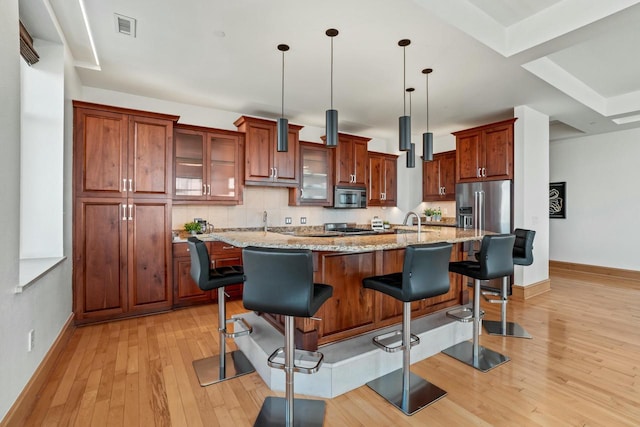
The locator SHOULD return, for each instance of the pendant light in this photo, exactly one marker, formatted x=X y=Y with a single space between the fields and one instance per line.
x=283 y=124
x=411 y=154
x=405 y=121
x=331 y=128
x=427 y=137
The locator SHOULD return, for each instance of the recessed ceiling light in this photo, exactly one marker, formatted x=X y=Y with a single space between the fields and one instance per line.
x=627 y=119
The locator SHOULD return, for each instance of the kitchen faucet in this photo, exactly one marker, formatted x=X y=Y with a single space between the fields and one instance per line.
x=264 y=220
x=406 y=219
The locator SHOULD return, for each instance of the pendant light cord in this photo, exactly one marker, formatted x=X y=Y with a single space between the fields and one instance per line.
x=282 y=84
x=404 y=81
x=427 y=102
x=332 y=73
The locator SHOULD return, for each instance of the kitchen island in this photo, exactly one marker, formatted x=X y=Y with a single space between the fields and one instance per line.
x=343 y=262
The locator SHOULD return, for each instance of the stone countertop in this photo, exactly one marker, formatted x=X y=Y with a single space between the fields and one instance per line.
x=345 y=243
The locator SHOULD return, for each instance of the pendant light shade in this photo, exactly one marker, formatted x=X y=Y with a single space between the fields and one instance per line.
x=411 y=156
x=283 y=124
x=427 y=137
x=411 y=153
x=404 y=143
x=331 y=130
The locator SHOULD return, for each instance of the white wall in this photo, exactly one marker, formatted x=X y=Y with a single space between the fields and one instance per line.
x=531 y=189
x=602 y=176
x=46 y=304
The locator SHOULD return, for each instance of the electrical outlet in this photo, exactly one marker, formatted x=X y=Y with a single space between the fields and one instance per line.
x=31 y=340
x=444 y=211
x=287 y=220
x=303 y=220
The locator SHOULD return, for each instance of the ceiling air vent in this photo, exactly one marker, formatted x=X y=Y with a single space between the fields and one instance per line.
x=26 y=46
x=125 y=25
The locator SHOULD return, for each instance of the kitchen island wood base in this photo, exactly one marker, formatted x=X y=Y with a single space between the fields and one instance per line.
x=354 y=310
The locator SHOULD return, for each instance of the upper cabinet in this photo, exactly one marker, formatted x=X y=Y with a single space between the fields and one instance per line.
x=208 y=165
x=316 y=180
x=438 y=178
x=351 y=160
x=122 y=153
x=264 y=165
x=382 y=180
x=485 y=153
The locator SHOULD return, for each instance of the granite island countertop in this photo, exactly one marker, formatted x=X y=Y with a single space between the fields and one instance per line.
x=356 y=243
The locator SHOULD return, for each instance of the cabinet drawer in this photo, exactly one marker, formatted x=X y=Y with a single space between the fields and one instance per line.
x=180 y=250
x=218 y=247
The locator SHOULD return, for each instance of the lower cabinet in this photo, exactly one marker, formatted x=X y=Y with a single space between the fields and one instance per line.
x=185 y=291
x=122 y=258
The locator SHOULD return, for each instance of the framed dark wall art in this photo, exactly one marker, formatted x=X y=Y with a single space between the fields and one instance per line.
x=557 y=200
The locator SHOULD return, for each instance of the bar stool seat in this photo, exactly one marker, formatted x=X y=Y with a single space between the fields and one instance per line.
x=280 y=281
x=424 y=275
x=223 y=366
x=522 y=255
x=495 y=260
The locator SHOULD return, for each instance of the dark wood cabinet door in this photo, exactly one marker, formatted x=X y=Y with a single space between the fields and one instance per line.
x=498 y=153
x=360 y=156
x=447 y=163
x=100 y=251
x=285 y=163
x=468 y=157
x=390 y=180
x=150 y=156
x=100 y=153
x=149 y=255
x=258 y=155
x=344 y=161
x=186 y=291
x=375 y=188
x=431 y=180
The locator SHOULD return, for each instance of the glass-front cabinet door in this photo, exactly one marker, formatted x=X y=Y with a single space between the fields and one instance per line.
x=316 y=184
x=208 y=164
x=189 y=164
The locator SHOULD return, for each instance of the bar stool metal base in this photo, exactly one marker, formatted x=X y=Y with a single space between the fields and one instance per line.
x=421 y=393
x=487 y=359
x=511 y=329
x=307 y=413
x=209 y=372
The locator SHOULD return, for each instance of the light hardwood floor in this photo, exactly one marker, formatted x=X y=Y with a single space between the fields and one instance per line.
x=582 y=368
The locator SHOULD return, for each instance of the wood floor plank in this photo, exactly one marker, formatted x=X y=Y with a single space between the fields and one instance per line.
x=582 y=368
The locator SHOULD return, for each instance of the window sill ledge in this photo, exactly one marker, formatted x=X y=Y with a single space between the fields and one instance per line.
x=31 y=269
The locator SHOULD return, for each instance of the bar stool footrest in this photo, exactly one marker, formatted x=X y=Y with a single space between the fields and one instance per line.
x=312 y=360
x=493 y=297
x=383 y=341
x=464 y=314
x=246 y=328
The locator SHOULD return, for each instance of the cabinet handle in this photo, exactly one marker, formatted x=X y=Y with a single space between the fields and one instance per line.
x=124 y=184
x=478 y=173
x=124 y=212
x=208 y=189
x=484 y=172
x=213 y=263
x=444 y=190
x=204 y=189
x=130 y=212
x=130 y=184
x=301 y=193
x=275 y=173
x=228 y=247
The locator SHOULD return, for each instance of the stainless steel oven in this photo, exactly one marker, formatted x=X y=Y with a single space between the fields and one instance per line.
x=349 y=197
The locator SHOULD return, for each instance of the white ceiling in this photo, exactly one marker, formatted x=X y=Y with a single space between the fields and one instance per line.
x=574 y=60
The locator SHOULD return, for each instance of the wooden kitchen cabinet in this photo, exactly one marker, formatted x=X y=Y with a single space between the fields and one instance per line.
x=438 y=178
x=351 y=160
x=123 y=174
x=121 y=256
x=485 y=153
x=264 y=165
x=120 y=152
x=382 y=179
x=208 y=165
x=185 y=291
x=316 y=179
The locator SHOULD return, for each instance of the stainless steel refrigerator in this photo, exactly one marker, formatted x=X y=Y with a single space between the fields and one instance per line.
x=485 y=206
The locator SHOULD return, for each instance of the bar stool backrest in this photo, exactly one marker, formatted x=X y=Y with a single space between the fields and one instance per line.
x=199 y=263
x=425 y=272
x=523 y=246
x=278 y=281
x=496 y=256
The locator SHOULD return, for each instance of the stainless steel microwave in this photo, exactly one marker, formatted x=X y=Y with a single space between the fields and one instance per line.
x=349 y=197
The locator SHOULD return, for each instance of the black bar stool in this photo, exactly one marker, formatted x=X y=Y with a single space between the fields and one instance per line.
x=224 y=366
x=280 y=281
x=425 y=274
x=495 y=260
x=522 y=255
